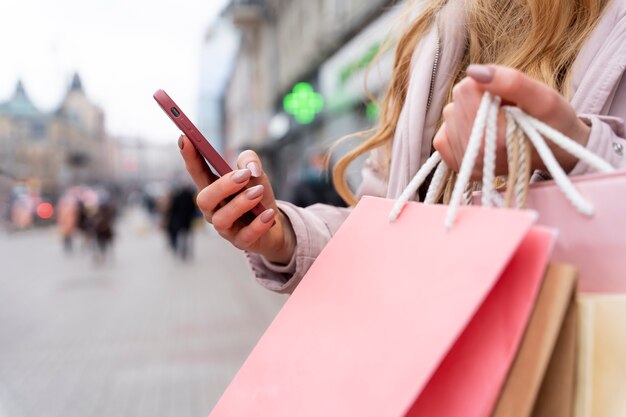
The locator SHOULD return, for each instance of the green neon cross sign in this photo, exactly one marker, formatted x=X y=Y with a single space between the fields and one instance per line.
x=372 y=111
x=303 y=103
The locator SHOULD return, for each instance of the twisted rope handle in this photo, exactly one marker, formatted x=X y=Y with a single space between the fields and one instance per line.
x=414 y=185
x=471 y=153
x=531 y=127
x=436 y=184
x=518 y=149
x=518 y=159
x=489 y=159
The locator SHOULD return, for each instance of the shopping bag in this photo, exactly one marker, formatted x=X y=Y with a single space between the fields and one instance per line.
x=591 y=237
x=541 y=380
x=595 y=244
x=601 y=383
x=399 y=319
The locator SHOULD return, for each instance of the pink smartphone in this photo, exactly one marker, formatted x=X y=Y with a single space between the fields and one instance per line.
x=202 y=145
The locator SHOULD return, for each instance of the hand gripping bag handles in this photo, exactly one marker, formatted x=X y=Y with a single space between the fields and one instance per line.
x=593 y=240
x=592 y=237
x=403 y=318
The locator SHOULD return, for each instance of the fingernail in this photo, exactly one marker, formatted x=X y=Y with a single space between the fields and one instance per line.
x=254 y=168
x=241 y=176
x=180 y=142
x=267 y=215
x=481 y=73
x=254 y=192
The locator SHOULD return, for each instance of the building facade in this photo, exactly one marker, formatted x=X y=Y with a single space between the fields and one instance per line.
x=294 y=56
x=53 y=150
x=219 y=47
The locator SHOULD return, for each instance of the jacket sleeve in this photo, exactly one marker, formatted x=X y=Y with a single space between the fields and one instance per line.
x=313 y=227
x=605 y=140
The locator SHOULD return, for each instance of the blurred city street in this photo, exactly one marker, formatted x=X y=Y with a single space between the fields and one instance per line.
x=139 y=331
x=143 y=334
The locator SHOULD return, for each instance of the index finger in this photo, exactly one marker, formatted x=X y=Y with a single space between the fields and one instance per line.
x=196 y=165
x=532 y=96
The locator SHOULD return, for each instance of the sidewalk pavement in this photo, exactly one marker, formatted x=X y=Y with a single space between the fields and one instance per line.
x=143 y=334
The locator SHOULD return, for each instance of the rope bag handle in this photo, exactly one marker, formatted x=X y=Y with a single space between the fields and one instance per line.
x=519 y=126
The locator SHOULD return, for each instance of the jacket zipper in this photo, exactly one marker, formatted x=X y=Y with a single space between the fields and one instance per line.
x=434 y=75
x=422 y=190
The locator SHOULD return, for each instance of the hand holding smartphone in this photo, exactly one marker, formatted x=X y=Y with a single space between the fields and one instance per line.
x=202 y=145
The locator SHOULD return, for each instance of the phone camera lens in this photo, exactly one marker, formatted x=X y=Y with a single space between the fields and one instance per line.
x=175 y=111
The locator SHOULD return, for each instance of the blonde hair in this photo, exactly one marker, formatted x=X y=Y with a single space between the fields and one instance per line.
x=538 y=37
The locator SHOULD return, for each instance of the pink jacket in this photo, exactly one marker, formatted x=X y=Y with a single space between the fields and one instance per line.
x=598 y=93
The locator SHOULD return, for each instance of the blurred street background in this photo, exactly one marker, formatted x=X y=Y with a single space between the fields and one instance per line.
x=117 y=298
x=143 y=335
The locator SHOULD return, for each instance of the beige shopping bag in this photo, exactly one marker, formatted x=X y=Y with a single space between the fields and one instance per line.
x=601 y=379
x=541 y=380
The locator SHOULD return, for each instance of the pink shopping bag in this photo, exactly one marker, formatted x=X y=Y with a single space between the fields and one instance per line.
x=399 y=319
x=597 y=244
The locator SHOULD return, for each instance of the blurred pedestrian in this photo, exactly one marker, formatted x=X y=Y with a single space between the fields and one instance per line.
x=315 y=185
x=23 y=212
x=557 y=60
x=102 y=227
x=6 y=185
x=67 y=221
x=83 y=223
x=150 y=204
x=178 y=220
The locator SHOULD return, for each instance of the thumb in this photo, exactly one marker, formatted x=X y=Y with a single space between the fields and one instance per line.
x=250 y=160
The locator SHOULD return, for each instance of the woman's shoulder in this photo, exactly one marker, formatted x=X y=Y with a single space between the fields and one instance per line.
x=600 y=63
x=616 y=9
x=613 y=18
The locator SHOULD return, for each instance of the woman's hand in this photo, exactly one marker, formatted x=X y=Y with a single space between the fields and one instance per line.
x=534 y=97
x=270 y=234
